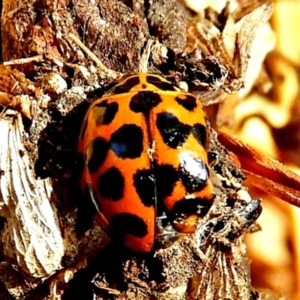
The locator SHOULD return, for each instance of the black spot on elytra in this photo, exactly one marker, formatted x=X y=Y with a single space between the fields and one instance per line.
x=173 y=132
x=99 y=147
x=144 y=183
x=160 y=84
x=189 y=207
x=200 y=133
x=127 y=85
x=110 y=112
x=126 y=223
x=111 y=184
x=189 y=102
x=166 y=177
x=144 y=101
x=127 y=141
x=193 y=173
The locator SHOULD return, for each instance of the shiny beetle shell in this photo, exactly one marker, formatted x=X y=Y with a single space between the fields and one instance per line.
x=143 y=146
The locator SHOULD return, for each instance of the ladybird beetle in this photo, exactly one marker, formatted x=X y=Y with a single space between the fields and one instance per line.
x=144 y=147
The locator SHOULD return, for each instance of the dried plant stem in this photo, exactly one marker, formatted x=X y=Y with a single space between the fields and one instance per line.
x=37 y=58
x=76 y=40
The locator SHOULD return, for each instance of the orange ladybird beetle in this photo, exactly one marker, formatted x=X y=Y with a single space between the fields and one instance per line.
x=144 y=146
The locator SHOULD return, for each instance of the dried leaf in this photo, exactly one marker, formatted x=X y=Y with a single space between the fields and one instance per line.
x=31 y=234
